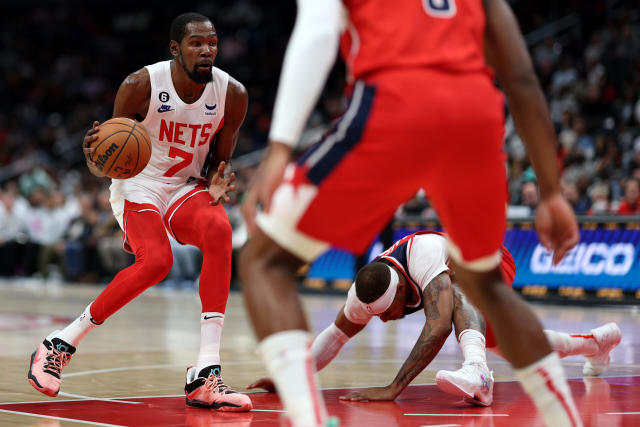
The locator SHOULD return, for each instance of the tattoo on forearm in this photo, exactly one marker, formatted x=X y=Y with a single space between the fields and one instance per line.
x=421 y=355
x=433 y=334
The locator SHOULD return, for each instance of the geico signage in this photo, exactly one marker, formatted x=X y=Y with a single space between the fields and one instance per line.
x=586 y=258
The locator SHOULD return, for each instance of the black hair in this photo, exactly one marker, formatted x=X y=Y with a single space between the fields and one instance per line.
x=372 y=281
x=179 y=24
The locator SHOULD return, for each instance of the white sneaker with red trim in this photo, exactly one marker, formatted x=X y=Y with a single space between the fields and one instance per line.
x=474 y=382
x=608 y=337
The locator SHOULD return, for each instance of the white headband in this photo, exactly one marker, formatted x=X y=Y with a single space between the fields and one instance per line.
x=384 y=301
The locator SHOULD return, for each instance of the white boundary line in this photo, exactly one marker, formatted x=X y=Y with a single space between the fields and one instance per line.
x=442 y=425
x=51 y=417
x=623 y=413
x=457 y=415
x=80 y=397
x=103 y=399
x=251 y=362
x=267 y=410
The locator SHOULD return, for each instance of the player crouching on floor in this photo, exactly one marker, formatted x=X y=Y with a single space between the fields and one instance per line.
x=413 y=274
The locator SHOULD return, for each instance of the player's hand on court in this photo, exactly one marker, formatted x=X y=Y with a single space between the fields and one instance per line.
x=90 y=137
x=556 y=226
x=265 y=182
x=264 y=383
x=373 y=393
x=221 y=184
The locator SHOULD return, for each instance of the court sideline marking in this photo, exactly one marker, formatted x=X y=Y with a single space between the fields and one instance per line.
x=457 y=415
x=51 y=417
x=104 y=399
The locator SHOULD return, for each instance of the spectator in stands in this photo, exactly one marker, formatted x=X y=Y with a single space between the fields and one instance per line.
x=579 y=202
x=630 y=204
x=599 y=200
x=530 y=195
x=108 y=237
x=12 y=236
x=79 y=248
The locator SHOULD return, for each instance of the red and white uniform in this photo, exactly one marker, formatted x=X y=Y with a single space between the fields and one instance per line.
x=423 y=113
x=170 y=196
x=181 y=135
x=420 y=257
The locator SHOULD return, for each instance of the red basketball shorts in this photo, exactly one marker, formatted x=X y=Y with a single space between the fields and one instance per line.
x=402 y=131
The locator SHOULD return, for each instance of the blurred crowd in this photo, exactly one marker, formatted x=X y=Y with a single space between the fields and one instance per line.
x=60 y=67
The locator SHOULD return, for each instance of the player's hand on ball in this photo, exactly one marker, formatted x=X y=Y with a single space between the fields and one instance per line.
x=374 y=393
x=264 y=383
x=90 y=137
x=220 y=185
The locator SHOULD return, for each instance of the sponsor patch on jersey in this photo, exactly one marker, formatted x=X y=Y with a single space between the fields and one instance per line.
x=163 y=96
x=164 y=108
x=211 y=109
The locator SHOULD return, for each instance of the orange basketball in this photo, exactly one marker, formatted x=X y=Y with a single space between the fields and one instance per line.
x=123 y=148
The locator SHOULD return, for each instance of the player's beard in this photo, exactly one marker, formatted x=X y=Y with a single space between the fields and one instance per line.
x=199 y=77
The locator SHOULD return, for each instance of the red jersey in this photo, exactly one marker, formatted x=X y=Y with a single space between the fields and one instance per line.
x=439 y=34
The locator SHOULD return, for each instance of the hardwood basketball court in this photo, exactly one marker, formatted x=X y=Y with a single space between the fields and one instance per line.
x=131 y=370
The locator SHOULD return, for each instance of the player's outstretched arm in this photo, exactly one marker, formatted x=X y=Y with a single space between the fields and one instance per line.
x=326 y=346
x=311 y=52
x=438 y=308
x=220 y=177
x=507 y=54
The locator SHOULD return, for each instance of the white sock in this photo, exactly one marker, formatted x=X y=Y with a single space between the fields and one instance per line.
x=78 y=329
x=210 y=336
x=569 y=345
x=289 y=361
x=473 y=346
x=545 y=383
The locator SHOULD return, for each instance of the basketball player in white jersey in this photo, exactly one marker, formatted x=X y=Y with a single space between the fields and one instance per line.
x=192 y=111
x=414 y=275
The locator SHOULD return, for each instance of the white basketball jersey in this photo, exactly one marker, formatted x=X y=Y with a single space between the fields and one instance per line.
x=181 y=133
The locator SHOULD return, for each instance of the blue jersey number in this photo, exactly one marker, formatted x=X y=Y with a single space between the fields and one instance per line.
x=440 y=8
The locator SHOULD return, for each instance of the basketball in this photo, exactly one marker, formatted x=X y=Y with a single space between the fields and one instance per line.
x=123 y=148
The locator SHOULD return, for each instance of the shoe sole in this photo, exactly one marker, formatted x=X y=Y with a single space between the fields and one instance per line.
x=224 y=407
x=450 y=388
x=34 y=381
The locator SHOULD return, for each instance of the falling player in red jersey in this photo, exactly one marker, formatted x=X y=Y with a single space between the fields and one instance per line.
x=414 y=275
x=192 y=111
x=422 y=98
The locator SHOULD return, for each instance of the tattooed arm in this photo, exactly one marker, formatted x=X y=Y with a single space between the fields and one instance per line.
x=465 y=315
x=438 y=308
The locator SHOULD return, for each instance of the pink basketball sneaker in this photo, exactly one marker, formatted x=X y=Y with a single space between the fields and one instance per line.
x=207 y=390
x=474 y=382
x=47 y=362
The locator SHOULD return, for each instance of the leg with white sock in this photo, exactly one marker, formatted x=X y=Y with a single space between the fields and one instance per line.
x=523 y=343
x=145 y=231
x=211 y=324
x=474 y=381
x=196 y=222
x=268 y=278
x=595 y=346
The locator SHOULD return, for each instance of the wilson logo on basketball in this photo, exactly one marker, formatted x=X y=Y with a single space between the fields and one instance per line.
x=102 y=158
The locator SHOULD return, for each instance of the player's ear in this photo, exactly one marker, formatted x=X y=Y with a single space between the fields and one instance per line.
x=174 y=48
x=402 y=284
